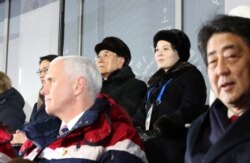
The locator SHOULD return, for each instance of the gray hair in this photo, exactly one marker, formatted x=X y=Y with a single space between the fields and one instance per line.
x=80 y=66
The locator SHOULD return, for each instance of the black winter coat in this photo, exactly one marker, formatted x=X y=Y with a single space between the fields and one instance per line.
x=180 y=102
x=125 y=89
x=39 y=114
x=213 y=139
x=11 y=109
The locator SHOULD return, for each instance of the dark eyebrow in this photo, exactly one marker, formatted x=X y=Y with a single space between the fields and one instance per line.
x=48 y=78
x=211 y=53
x=230 y=46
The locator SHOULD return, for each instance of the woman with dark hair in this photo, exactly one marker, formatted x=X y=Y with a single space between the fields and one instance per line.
x=176 y=96
x=38 y=112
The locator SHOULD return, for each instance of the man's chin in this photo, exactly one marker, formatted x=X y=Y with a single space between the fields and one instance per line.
x=48 y=110
x=229 y=100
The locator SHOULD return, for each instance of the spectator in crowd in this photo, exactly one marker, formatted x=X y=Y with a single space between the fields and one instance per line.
x=38 y=112
x=87 y=128
x=11 y=104
x=119 y=82
x=6 y=150
x=222 y=134
x=175 y=97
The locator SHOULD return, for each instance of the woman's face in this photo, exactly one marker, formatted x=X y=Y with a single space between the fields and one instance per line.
x=43 y=68
x=165 y=55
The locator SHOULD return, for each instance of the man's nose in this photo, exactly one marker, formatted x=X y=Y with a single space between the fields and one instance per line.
x=222 y=67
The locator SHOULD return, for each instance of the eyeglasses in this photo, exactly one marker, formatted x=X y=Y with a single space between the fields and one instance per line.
x=45 y=70
x=104 y=56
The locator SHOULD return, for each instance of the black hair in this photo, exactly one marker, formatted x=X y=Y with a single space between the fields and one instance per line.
x=178 y=39
x=49 y=58
x=223 y=23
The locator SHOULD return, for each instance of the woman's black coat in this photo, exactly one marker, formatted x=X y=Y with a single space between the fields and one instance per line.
x=11 y=109
x=183 y=100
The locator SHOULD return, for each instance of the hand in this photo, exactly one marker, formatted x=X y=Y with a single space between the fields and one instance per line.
x=169 y=129
x=147 y=134
x=18 y=138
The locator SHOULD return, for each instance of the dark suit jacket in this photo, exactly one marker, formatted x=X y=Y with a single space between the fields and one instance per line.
x=213 y=139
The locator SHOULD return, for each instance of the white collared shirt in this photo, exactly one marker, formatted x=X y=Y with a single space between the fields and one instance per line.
x=72 y=122
x=230 y=113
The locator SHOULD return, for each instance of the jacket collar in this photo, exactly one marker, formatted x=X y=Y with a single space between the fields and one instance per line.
x=177 y=69
x=6 y=94
x=91 y=115
x=121 y=74
x=236 y=134
x=41 y=134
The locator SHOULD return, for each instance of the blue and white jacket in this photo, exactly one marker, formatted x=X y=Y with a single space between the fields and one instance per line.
x=103 y=134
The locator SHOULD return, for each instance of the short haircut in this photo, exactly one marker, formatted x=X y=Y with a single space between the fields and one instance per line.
x=220 y=24
x=80 y=66
x=49 y=58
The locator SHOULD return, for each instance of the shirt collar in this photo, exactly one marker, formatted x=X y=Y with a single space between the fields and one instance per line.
x=72 y=122
x=230 y=113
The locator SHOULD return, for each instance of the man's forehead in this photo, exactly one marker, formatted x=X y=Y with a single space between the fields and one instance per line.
x=223 y=40
x=52 y=70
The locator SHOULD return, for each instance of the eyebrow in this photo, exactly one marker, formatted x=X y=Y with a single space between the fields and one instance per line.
x=230 y=46
x=163 y=46
x=42 y=68
x=49 y=78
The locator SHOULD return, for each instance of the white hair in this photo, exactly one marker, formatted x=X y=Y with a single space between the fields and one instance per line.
x=80 y=66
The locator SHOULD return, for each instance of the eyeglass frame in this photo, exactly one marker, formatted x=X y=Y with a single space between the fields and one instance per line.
x=105 y=56
x=44 y=70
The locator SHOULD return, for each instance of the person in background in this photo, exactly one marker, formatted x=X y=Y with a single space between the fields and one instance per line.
x=87 y=128
x=222 y=134
x=119 y=82
x=6 y=150
x=11 y=104
x=38 y=112
x=176 y=96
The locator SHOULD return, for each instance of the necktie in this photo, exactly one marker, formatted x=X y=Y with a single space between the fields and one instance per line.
x=63 y=130
x=234 y=118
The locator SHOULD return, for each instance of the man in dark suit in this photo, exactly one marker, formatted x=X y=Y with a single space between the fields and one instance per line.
x=222 y=134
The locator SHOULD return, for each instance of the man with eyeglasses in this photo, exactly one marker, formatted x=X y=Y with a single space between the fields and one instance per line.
x=38 y=112
x=119 y=81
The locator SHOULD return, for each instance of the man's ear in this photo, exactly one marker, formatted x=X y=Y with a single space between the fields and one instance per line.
x=79 y=86
x=121 y=61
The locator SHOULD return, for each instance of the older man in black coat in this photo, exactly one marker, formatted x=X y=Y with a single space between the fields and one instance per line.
x=119 y=81
x=222 y=134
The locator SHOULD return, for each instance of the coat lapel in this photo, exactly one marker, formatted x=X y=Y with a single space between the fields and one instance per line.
x=192 y=138
x=235 y=134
